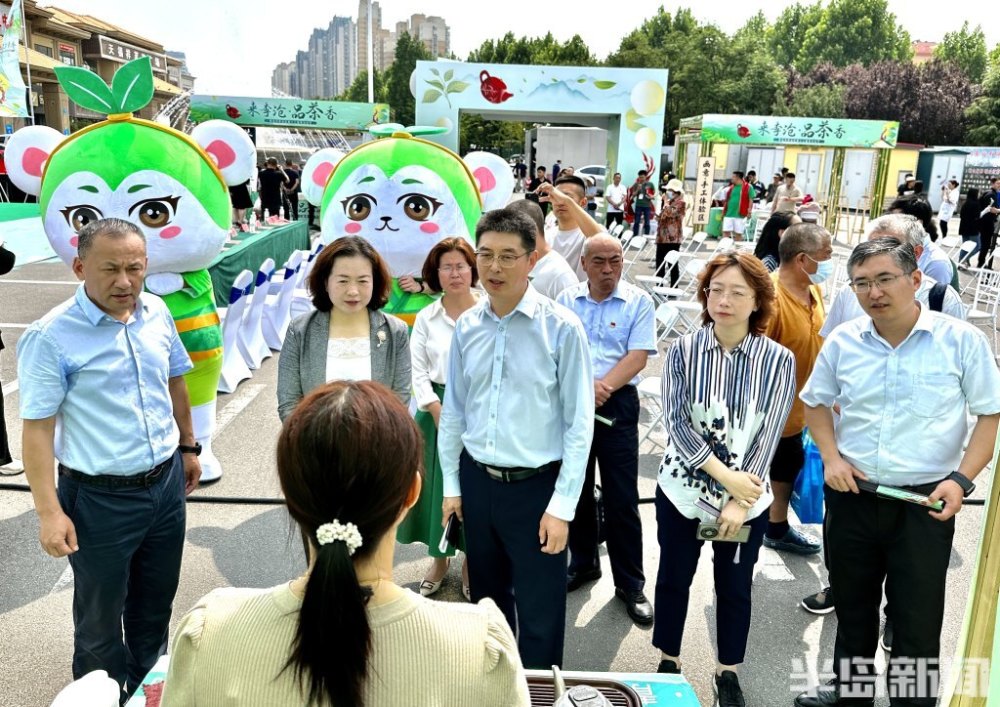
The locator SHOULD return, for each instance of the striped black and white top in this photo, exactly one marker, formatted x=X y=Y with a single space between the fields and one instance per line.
x=731 y=404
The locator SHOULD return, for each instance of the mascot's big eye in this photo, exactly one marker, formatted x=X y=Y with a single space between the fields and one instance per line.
x=418 y=206
x=359 y=206
x=156 y=213
x=79 y=216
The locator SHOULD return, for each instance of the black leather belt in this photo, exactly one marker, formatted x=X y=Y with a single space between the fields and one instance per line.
x=143 y=479
x=512 y=474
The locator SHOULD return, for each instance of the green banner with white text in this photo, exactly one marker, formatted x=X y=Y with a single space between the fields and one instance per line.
x=780 y=130
x=288 y=112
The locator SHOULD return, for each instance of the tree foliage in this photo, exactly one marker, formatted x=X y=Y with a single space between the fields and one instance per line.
x=535 y=50
x=967 y=49
x=358 y=90
x=842 y=33
x=397 y=78
x=983 y=116
x=820 y=100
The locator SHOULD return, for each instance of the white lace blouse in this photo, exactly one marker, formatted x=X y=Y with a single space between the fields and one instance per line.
x=349 y=359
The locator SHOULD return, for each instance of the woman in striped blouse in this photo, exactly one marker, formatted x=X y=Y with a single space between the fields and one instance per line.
x=727 y=390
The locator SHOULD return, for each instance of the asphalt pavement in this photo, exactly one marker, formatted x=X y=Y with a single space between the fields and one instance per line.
x=256 y=546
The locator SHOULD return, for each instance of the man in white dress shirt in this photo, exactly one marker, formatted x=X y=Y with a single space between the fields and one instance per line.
x=905 y=379
x=573 y=224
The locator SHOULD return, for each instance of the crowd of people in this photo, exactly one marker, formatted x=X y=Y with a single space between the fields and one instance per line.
x=524 y=376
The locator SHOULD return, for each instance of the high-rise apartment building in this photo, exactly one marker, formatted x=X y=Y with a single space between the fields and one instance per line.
x=327 y=68
x=432 y=31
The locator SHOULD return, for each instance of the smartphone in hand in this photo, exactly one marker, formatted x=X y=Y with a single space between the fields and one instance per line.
x=451 y=535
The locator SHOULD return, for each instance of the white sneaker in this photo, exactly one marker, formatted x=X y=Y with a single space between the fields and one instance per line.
x=14 y=468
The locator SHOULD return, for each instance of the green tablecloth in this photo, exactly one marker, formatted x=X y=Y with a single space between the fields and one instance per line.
x=15 y=211
x=252 y=250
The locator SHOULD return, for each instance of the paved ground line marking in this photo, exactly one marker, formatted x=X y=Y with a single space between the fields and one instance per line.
x=15 y=281
x=12 y=325
x=235 y=406
x=10 y=388
x=65 y=580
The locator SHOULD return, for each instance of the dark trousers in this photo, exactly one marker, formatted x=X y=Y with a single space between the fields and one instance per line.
x=661 y=252
x=312 y=215
x=613 y=217
x=679 y=552
x=506 y=563
x=642 y=213
x=987 y=241
x=5 y=455
x=872 y=540
x=943 y=225
x=616 y=450
x=125 y=572
x=291 y=204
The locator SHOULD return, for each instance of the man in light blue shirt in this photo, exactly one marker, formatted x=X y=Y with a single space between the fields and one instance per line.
x=905 y=379
x=514 y=437
x=619 y=321
x=102 y=393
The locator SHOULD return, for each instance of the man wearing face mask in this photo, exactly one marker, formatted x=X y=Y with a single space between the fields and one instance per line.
x=806 y=251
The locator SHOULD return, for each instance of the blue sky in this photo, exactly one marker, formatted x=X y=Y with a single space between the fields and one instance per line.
x=232 y=45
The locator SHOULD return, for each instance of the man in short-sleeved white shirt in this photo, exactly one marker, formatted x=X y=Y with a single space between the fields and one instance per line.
x=614 y=197
x=551 y=274
x=905 y=379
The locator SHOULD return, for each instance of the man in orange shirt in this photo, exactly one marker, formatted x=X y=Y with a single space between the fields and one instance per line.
x=806 y=251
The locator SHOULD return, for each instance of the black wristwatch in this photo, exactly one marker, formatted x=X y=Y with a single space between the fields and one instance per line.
x=186 y=449
x=964 y=481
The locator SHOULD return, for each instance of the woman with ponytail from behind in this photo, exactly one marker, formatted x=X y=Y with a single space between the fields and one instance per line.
x=343 y=634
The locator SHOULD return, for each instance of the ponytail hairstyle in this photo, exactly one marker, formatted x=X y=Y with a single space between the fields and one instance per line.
x=348 y=452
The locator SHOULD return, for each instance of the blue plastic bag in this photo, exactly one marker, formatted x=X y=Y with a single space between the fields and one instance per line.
x=807 y=495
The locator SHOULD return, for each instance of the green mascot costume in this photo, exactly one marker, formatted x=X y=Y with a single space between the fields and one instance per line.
x=404 y=194
x=173 y=186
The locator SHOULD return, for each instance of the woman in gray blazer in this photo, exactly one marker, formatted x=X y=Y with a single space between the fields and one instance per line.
x=347 y=337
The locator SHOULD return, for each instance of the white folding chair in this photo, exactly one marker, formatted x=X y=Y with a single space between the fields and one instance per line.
x=985 y=301
x=251 y=338
x=659 y=277
x=724 y=244
x=697 y=240
x=234 y=368
x=667 y=316
x=635 y=246
x=277 y=313
x=963 y=252
x=650 y=392
x=949 y=244
x=687 y=282
x=308 y=265
x=838 y=280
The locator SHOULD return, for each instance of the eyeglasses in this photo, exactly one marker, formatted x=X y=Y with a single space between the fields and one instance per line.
x=717 y=293
x=452 y=269
x=864 y=286
x=485 y=259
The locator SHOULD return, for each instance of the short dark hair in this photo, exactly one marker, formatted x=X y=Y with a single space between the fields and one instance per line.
x=539 y=169
x=902 y=254
x=111 y=227
x=917 y=206
x=506 y=220
x=751 y=172
x=532 y=210
x=642 y=171
x=272 y=160
x=449 y=245
x=789 y=174
x=617 y=174
x=348 y=453
x=346 y=247
x=801 y=238
x=575 y=181
x=754 y=273
x=738 y=173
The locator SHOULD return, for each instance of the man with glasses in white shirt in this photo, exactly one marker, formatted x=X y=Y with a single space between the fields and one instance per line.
x=514 y=437
x=905 y=379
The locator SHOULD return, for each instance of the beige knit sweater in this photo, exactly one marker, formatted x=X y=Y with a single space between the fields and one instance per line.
x=229 y=651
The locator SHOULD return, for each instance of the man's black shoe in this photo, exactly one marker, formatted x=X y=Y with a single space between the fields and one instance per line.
x=728 y=691
x=668 y=667
x=575 y=580
x=829 y=696
x=637 y=605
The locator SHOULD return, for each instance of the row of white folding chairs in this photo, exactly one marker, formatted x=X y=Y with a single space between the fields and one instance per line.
x=256 y=321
